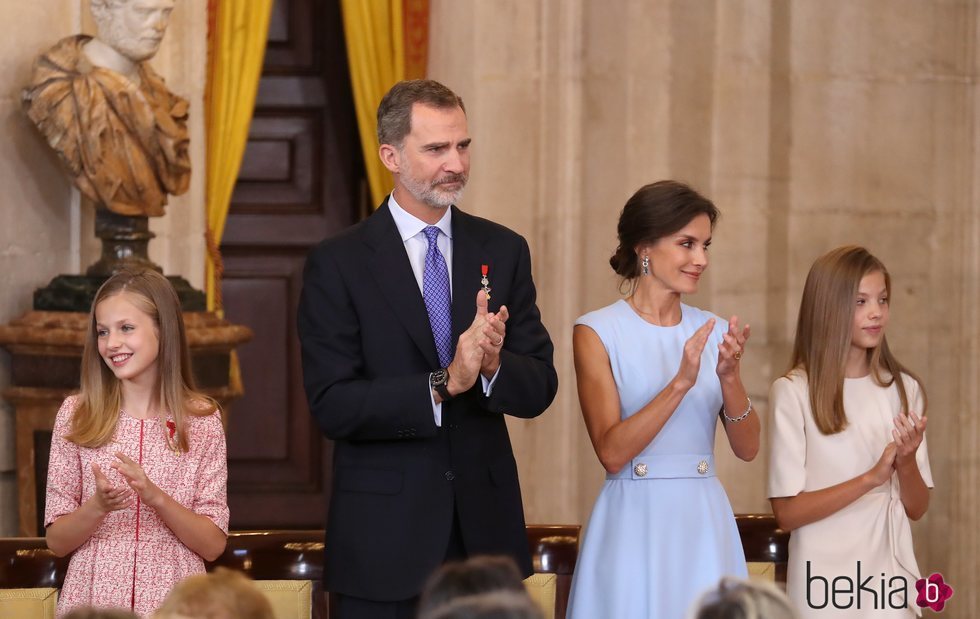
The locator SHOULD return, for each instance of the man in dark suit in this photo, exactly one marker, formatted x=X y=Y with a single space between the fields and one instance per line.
x=410 y=367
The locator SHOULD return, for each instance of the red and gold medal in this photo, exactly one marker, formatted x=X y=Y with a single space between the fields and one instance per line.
x=485 y=269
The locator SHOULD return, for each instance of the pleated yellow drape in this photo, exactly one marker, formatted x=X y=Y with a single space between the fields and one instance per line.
x=236 y=46
x=376 y=32
x=375 y=55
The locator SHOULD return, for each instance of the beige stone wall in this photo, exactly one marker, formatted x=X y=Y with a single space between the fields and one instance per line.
x=35 y=218
x=811 y=123
x=43 y=230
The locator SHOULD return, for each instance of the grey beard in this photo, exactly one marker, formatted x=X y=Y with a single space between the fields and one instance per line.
x=431 y=196
x=436 y=199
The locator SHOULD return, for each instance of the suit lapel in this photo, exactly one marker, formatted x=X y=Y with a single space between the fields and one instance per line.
x=390 y=266
x=468 y=252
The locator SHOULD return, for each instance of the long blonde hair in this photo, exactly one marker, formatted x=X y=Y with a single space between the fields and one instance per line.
x=823 y=335
x=95 y=417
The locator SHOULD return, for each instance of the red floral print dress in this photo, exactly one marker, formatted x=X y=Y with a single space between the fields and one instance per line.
x=133 y=559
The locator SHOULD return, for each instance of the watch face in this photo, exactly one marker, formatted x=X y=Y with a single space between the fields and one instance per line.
x=439 y=377
x=439 y=380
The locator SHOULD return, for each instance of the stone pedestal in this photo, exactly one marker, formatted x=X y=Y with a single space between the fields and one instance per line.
x=124 y=243
x=46 y=352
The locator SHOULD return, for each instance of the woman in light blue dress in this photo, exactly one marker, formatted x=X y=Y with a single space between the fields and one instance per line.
x=654 y=375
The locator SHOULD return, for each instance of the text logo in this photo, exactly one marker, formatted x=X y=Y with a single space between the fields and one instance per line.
x=933 y=592
x=862 y=590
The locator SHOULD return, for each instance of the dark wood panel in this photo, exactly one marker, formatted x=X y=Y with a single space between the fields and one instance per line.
x=279 y=24
x=278 y=462
x=264 y=364
x=294 y=36
x=301 y=180
x=267 y=160
x=262 y=230
x=281 y=168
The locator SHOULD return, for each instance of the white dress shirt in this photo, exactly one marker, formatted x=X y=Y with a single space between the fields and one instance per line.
x=410 y=228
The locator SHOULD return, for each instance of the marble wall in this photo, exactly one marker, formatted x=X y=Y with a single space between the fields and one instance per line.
x=811 y=124
x=44 y=230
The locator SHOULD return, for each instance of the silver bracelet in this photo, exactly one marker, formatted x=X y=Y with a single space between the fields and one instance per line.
x=748 y=410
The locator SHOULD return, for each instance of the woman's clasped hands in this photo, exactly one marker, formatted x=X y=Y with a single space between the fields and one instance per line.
x=109 y=497
x=730 y=351
x=147 y=491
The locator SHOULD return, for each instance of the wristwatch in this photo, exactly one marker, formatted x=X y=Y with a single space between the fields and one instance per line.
x=439 y=380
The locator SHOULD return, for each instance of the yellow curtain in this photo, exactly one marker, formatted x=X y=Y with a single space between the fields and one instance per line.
x=375 y=44
x=375 y=33
x=237 y=35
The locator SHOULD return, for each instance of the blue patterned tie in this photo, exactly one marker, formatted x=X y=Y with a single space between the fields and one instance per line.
x=435 y=292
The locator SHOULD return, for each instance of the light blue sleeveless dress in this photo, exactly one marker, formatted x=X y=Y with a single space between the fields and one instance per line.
x=662 y=530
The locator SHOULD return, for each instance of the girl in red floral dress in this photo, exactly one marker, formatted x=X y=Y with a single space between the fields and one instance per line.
x=138 y=470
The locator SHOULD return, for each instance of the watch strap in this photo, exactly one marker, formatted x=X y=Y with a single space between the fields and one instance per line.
x=439 y=380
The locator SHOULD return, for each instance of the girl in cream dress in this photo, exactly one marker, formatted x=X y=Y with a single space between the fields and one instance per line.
x=848 y=463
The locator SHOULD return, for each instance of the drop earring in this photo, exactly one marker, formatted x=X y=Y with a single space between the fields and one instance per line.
x=645 y=265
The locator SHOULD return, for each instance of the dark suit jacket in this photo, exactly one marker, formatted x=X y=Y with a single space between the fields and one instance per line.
x=367 y=354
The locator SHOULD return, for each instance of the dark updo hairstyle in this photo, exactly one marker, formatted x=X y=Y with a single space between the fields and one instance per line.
x=655 y=211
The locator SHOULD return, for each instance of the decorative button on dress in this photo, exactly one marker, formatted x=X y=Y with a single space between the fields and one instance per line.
x=662 y=530
x=873 y=529
x=133 y=559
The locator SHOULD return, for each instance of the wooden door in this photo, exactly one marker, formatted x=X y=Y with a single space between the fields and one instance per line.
x=300 y=181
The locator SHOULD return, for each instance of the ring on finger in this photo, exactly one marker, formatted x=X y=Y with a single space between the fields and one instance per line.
x=737 y=355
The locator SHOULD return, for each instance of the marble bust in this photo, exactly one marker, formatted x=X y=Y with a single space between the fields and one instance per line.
x=120 y=132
